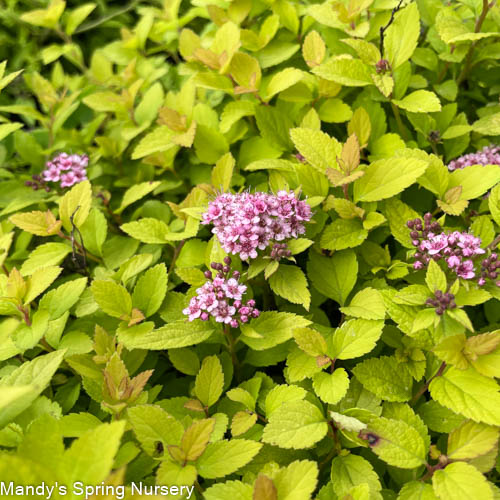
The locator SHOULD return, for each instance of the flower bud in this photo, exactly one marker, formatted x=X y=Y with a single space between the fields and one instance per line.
x=227 y=260
x=208 y=275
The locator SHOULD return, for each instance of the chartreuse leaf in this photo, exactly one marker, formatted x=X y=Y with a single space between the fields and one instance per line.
x=39 y=223
x=297 y=481
x=176 y=334
x=355 y=338
x=90 y=457
x=385 y=178
x=23 y=385
x=385 y=377
x=290 y=283
x=475 y=180
x=334 y=277
x=196 y=437
x=420 y=101
x=310 y=341
x=39 y=281
x=112 y=298
x=152 y=425
x=331 y=387
x=48 y=254
x=270 y=329
x=345 y=71
x=417 y=489
x=460 y=481
x=135 y=193
x=319 y=149
x=282 y=394
x=402 y=36
x=349 y=471
x=225 y=457
x=435 y=277
x=150 y=290
x=209 y=381
x=471 y=440
x=494 y=203
x=398 y=444
x=147 y=230
x=230 y=490
x=366 y=304
x=295 y=424
x=468 y=393
x=76 y=204
x=342 y=234
x=62 y=298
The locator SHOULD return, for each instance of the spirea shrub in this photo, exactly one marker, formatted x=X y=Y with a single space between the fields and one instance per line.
x=249 y=250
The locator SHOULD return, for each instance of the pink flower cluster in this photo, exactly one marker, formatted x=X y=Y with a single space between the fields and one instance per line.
x=247 y=222
x=489 y=155
x=66 y=169
x=221 y=298
x=457 y=249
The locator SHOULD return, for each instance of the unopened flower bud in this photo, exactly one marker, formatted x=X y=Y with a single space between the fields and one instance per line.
x=227 y=260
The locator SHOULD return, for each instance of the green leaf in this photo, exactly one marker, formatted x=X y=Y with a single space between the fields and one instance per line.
x=152 y=425
x=333 y=276
x=342 y=234
x=62 y=298
x=135 y=193
x=176 y=334
x=270 y=329
x=209 y=381
x=310 y=341
x=345 y=71
x=222 y=173
x=295 y=424
x=150 y=290
x=76 y=202
x=230 y=490
x=39 y=281
x=225 y=457
x=470 y=440
x=420 y=101
x=331 y=387
x=488 y=125
x=290 y=283
x=475 y=180
x=112 y=298
x=147 y=230
x=398 y=214
x=351 y=470
x=297 y=481
x=468 y=393
x=402 y=36
x=349 y=424
x=355 y=338
x=77 y=16
x=48 y=254
x=438 y=418
x=23 y=385
x=90 y=457
x=399 y=444
x=385 y=178
x=319 y=149
x=7 y=129
x=385 y=377
x=460 y=481
x=280 y=394
x=417 y=490
x=435 y=277
x=367 y=304
x=283 y=80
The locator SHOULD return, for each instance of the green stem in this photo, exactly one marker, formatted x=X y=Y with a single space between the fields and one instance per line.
x=177 y=251
x=231 y=348
x=401 y=127
x=477 y=29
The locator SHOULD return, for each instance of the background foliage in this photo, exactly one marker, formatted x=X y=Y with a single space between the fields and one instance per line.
x=348 y=385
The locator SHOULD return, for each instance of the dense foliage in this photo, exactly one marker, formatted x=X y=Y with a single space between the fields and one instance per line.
x=251 y=247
